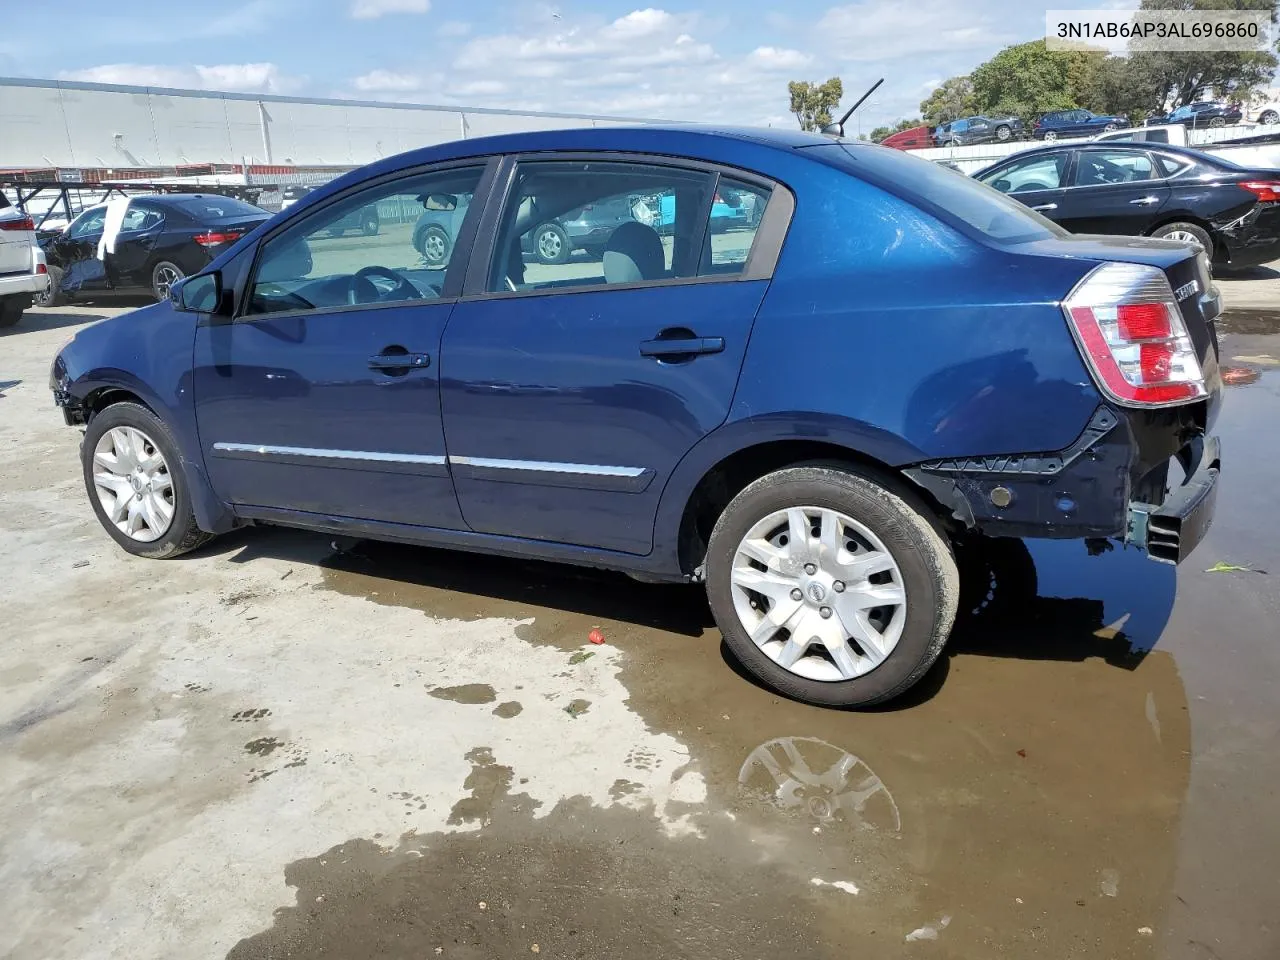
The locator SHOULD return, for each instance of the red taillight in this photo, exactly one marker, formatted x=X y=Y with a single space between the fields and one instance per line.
x=1267 y=191
x=41 y=268
x=1127 y=323
x=214 y=237
x=22 y=223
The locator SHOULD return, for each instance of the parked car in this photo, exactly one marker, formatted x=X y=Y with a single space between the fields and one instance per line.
x=1199 y=115
x=960 y=133
x=1075 y=123
x=644 y=415
x=1152 y=190
x=915 y=138
x=23 y=273
x=730 y=210
x=1265 y=113
x=163 y=238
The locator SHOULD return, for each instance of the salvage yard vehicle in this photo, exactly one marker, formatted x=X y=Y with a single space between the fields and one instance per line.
x=1198 y=116
x=961 y=133
x=811 y=417
x=163 y=238
x=1074 y=123
x=1144 y=189
x=23 y=273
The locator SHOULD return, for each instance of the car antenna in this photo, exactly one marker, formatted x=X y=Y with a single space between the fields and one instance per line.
x=837 y=129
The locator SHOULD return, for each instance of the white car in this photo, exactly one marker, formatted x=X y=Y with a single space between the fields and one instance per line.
x=24 y=274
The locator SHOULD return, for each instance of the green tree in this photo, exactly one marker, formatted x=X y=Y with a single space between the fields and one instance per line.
x=812 y=103
x=952 y=100
x=1028 y=79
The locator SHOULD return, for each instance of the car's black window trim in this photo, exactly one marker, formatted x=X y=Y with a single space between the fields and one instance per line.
x=453 y=274
x=760 y=264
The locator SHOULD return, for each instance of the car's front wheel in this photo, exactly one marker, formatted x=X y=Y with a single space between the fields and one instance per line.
x=135 y=483
x=1050 y=136
x=434 y=245
x=370 y=227
x=1269 y=117
x=1218 y=122
x=1111 y=127
x=1003 y=133
x=551 y=244
x=830 y=586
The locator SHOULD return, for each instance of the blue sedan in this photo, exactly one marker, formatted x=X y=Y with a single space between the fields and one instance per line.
x=819 y=416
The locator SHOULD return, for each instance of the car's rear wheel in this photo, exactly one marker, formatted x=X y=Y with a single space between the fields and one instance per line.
x=1050 y=136
x=434 y=245
x=1218 y=122
x=1268 y=117
x=551 y=244
x=53 y=297
x=12 y=308
x=1187 y=233
x=1110 y=127
x=370 y=227
x=1003 y=132
x=830 y=586
x=163 y=276
x=135 y=484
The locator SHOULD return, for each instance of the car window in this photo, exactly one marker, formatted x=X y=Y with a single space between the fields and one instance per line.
x=1180 y=114
x=204 y=209
x=570 y=224
x=960 y=126
x=89 y=223
x=1097 y=167
x=141 y=218
x=736 y=211
x=316 y=263
x=1041 y=172
x=1171 y=165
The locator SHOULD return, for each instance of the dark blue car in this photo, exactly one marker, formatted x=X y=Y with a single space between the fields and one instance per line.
x=813 y=416
x=1075 y=123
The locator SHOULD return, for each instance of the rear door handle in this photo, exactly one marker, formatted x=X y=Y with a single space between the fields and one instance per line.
x=1144 y=201
x=399 y=361
x=691 y=346
x=1046 y=206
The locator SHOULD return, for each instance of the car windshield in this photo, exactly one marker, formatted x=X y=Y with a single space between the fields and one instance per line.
x=216 y=208
x=948 y=194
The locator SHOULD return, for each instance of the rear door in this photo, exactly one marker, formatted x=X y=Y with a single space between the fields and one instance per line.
x=1116 y=190
x=129 y=265
x=574 y=389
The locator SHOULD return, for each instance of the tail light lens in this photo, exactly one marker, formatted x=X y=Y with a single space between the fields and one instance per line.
x=42 y=268
x=1267 y=191
x=1126 y=320
x=22 y=223
x=215 y=237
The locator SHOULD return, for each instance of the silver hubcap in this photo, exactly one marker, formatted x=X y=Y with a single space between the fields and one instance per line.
x=433 y=247
x=818 y=593
x=166 y=277
x=549 y=244
x=1184 y=236
x=133 y=483
x=1051 y=136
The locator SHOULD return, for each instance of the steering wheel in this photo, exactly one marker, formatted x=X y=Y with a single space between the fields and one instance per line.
x=360 y=284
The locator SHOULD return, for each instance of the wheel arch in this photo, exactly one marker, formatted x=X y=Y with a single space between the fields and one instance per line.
x=721 y=466
x=1187 y=217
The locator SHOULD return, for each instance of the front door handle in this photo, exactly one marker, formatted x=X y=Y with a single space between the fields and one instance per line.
x=684 y=347
x=400 y=361
x=1145 y=201
x=1046 y=206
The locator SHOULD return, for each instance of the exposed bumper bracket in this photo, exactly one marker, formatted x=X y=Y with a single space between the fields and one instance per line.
x=1171 y=531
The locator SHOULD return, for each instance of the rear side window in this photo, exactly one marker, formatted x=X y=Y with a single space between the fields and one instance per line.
x=948 y=194
x=736 y=211
x=1171 y=165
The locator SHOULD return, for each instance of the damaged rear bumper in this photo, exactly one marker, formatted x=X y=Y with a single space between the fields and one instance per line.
x=1114 y=481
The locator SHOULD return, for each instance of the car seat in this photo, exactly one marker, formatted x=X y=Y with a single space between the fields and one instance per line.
x=633 y=253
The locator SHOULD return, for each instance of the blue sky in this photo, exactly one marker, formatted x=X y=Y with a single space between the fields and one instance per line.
x=712 y=60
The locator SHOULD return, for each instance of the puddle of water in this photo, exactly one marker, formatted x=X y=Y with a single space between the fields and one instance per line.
x=1249 y=322
x=466 y=693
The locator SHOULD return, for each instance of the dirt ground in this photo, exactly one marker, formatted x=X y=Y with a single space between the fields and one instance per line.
x=281 y=747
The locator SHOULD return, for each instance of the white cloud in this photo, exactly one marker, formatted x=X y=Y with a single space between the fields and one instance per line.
x=384 y=81
x=230 y=77
x=776 y=58
x=372 y=9
x=640 y=23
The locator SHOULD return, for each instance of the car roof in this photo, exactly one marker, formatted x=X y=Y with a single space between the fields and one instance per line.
x=1111 y=145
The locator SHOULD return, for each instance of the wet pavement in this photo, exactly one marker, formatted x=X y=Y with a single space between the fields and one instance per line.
x=1090 y=770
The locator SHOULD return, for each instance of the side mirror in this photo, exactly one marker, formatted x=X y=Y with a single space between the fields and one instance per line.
x=439 y=201
x=199 y=294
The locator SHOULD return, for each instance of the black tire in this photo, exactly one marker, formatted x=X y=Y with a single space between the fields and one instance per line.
x=370 y=227
x=562 y=249
x=183 y=535
x=1111 y=127
x=1197 y=231
x=1050 y=136
x=1268 y=117
x=997 y=580
x=1004 y=133
x=433 y=231
x=54 y=297
x=908 y=531
x=159 y=284
x=1218 y=122
x=11 y=309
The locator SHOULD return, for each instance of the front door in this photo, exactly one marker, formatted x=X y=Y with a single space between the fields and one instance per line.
x=1116 y=190
x=1038 y=181
x=323 y=395
x=75 y=252
x=572 y=390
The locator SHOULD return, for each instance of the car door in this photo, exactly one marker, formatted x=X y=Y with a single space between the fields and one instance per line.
x=75 y=252
x=1113 y=190
x=571 y=391
x=979 y=130
x=128 y=266
x=1039 y=181
x=322 y=396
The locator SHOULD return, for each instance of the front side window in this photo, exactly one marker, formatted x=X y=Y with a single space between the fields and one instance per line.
x=1097 y=167
x=388 y=244
x=570 y=224
x=1033 y=173
x=89 y=223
